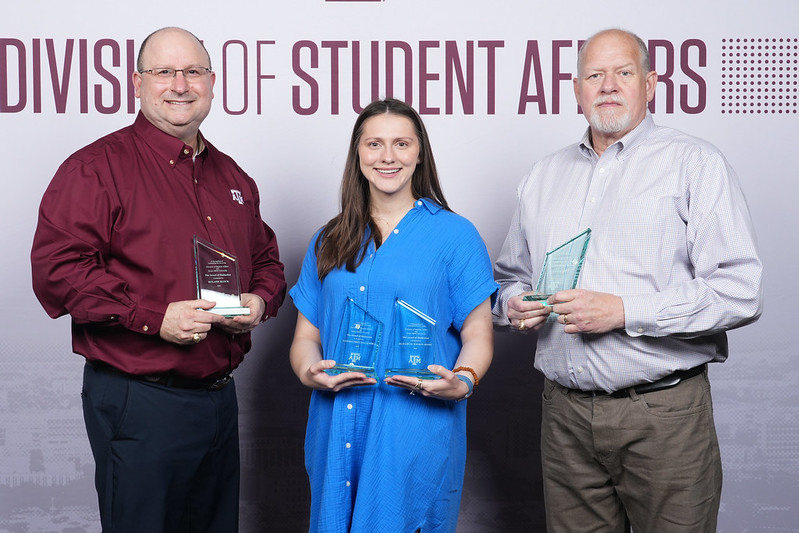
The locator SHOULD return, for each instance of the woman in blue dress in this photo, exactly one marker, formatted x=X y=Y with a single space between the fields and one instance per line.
x=387 y=453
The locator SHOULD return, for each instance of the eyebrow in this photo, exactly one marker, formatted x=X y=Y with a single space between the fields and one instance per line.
x=630 y=66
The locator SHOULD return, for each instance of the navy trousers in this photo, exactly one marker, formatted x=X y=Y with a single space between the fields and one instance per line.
x=167 y=459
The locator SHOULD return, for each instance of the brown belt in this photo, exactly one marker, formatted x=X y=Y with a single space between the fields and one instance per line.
x=168 y=380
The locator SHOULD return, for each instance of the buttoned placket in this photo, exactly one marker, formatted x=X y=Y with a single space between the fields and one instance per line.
x=349 y=410
x=605 y=167
x=212 y=229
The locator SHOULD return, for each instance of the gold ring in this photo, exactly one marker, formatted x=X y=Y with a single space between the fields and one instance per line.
x=565 y=319
x=522 y=325
x=419 y=385
x=196 y=337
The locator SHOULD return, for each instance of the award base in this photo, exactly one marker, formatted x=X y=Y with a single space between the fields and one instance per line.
x=420 y=373
x=230 y=311
x=341 y=369
x=537 y=298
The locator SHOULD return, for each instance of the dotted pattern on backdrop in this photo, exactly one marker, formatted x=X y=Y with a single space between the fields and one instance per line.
x=760 y=76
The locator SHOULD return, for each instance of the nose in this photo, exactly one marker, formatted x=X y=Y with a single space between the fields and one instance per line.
x=179 y=83
x=610 y=84
x=388 y=154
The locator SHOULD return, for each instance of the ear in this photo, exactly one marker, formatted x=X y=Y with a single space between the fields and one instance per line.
x=651 y=83
x=137 y=79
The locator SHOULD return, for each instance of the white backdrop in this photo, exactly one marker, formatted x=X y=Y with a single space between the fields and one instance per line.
x=283 y=109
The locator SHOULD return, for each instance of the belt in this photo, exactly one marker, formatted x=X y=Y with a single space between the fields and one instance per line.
x=663 y=383
x=168 y=380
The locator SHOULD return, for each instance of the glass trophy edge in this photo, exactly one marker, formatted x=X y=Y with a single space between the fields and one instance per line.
x=368 y=371
x=587 y=233
x=199 y=240
x=341 y=368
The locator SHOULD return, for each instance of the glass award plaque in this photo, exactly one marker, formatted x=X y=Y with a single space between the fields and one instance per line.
x=414 y=343
x=357 y=343
x=561 y=268
x=217 y=273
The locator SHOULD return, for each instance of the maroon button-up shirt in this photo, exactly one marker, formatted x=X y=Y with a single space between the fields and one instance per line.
x=114 y=246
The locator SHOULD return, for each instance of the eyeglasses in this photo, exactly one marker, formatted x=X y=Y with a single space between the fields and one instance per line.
x=166 y=74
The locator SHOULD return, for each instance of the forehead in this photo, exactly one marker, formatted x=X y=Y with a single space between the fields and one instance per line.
x=611 y=50
x=174 y=48
x=388 y=125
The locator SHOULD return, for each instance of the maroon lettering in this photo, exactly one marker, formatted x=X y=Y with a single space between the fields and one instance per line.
x=664 y=77
x=5 y=105
x=60 y=88
x=131 y=62
x=83 y=67
x=699 y=80
x=356 y=74
x=532 y=66
x=334 y=47
x=313 y=86
x=36 y=73
x=116 y=90
x=259 y=75
x=491 y=83
x=455 y=70
x=244 y=72
x=557 y=75
x=407 y=53
x=426 y=76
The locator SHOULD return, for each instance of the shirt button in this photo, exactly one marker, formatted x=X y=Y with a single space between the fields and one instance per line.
x=349 y=445
x=171 y=161
x=145 y=328
x=363 y=288
x=580 y=369
x=593 y=200
x=419 y=203
x=347 y=483
x=396 y=231
x=601 y=170
x=349 y=406
x=209 y=218
x=640 y=330
x=186 y=151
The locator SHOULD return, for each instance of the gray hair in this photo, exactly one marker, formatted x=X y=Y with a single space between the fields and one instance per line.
x=642 y=49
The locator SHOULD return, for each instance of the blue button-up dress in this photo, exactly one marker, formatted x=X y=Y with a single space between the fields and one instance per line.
x=378 y=458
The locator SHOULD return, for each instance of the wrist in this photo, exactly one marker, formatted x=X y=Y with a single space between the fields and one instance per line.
x=469 y=384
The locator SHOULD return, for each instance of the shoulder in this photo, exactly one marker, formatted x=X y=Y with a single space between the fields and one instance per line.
x=446 y=220
x=117 y=142
x=678 y=141
x=218 y=157
x=554 y=165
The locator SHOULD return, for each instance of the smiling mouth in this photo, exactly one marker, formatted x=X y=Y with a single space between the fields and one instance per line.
x=387 y=172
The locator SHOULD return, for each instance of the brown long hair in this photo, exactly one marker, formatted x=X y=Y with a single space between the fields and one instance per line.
x=341 y=241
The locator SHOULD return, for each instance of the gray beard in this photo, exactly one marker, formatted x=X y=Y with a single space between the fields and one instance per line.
x=609 y=123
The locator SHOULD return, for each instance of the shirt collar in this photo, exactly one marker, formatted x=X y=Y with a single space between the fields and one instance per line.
x=626 y=143
x=429 y=204
x=166 y=146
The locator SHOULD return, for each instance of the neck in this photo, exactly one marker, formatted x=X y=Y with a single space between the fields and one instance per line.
x=387 y=214
x=391 y=209
x=194 y=141
x=600 y=142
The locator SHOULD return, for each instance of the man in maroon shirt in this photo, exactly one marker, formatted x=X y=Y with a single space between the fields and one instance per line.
x=114 y=250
